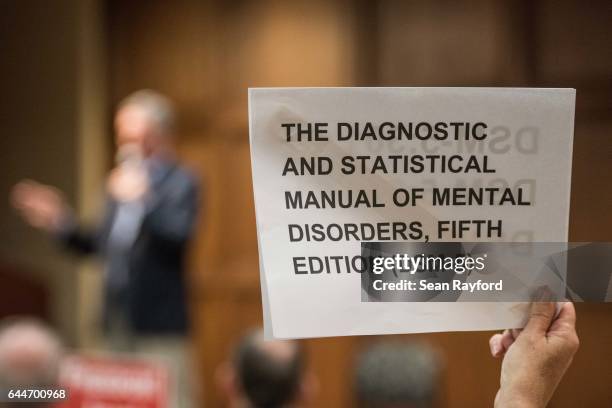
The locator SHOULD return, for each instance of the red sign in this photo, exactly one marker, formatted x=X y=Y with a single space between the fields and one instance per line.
x=111 y=381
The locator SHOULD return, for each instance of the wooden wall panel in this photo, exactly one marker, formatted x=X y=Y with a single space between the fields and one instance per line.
x=437 y=43
x=591 y=197
x=573 y=40
x=40 y=81
x=587 y=382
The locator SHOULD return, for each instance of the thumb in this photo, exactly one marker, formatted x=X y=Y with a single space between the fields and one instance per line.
x=541 y=315
x=565 y=323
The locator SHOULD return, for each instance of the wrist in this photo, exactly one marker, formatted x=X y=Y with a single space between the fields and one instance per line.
x=515 y=398
x=63 y=224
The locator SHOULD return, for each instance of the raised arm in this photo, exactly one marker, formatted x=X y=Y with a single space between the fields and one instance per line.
x=535 y=358
x=45 y=208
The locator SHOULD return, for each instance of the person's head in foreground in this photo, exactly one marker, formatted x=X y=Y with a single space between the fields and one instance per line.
x=397 y=375
x=266 y=374
x=30 y=355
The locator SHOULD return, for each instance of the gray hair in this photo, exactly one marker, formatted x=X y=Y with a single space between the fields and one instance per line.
x=158 y=107
x=397 y=374
x=30 y=353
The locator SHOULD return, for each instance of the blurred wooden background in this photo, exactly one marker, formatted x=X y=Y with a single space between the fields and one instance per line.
x=206 y=53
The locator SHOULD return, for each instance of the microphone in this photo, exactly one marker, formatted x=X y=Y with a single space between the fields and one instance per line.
x=130 y=155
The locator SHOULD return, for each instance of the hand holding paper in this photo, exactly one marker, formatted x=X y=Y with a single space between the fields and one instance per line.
x=535 y=358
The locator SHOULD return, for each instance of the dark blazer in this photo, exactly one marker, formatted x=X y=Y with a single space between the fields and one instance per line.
x=155 y=296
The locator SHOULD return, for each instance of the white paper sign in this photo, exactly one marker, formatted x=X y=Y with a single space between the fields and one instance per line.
x=333 y=167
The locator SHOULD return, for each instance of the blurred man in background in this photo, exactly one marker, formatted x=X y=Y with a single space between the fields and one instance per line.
x=397 y=375
x=150 y=214
x=266 y=374
x=30 y=357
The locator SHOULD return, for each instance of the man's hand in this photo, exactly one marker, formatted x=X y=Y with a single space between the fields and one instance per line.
x=41 y=206
x=128 y=182
x=536 y=357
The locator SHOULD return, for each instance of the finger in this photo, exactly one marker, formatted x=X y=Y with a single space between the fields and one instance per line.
x=23 y=199
x=495 y=345
x=26 y=186
x=24 y=192
x=507 y=339
x=25 y=183
x=18 y=192
x=21 y=202
x=540 y=317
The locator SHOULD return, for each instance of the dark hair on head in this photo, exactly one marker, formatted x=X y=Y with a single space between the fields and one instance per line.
x=397 y=375
x=267 y=380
